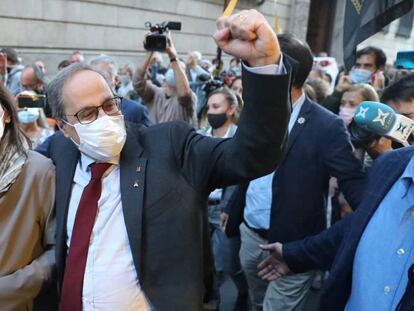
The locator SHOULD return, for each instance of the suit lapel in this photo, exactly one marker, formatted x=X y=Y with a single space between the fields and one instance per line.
x=300 y=123
x=132 y=170
x=65 y=170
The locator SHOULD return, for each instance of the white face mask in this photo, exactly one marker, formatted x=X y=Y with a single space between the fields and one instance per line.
x=102 y=139
x=346 y=114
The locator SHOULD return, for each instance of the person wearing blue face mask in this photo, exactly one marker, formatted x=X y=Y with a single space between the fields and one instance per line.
x=368 y=68
x=174 y=101
x=125 y=80
x=33 y=123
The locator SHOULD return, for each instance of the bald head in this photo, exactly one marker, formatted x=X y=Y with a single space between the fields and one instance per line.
x=85 y=88
x=76 y=85
x=32 y=78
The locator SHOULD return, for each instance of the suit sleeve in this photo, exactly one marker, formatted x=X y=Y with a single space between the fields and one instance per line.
x=342 y=163
x=316 y=252
x=254 y=150
x=145 y=119
x=332 y=102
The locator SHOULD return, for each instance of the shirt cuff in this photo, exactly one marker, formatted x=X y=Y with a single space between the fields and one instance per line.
x=274 y=69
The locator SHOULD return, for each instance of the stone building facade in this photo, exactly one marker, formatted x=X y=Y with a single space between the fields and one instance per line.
x=51 y=29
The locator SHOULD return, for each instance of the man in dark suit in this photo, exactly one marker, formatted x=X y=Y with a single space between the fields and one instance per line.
x=290 y=203
x=130 y=199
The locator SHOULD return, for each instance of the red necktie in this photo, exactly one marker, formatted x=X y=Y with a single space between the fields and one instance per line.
x=71 y=298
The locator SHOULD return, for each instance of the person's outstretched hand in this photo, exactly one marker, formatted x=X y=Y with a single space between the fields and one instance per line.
x=274 y=266
x=247 y=35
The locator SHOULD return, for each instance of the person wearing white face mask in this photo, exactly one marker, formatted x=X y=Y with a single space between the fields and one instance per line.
x=130 y=208
x=101 y=137
x=27 y=192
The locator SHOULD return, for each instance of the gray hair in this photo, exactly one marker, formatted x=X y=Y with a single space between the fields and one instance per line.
x=129 y=68
x=111 y=69
x=55 y=89
x=38 y=72
x=197 y=55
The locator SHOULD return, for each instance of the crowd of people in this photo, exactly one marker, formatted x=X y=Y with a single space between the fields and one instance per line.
x=145 y=186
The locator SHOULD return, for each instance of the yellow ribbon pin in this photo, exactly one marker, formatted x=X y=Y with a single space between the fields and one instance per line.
x=230 y=8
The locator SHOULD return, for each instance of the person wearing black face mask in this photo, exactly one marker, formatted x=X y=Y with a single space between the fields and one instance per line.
x=222 y=115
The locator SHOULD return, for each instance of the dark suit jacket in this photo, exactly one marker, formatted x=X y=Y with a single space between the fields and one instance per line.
x=173 y=169
x=135 y=112
x=318 y=148
x=335 y=248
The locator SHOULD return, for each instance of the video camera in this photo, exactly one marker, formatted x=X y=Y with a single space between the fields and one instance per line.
x=209 y=84
x=157 y=40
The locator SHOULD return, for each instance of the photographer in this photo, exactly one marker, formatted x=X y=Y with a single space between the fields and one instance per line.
x=174 y=101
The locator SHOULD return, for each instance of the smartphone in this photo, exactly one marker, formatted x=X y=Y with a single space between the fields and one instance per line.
x=405 y=60
x=35 y=101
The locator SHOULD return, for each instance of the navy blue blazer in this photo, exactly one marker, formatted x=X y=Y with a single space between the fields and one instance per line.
x=318 y=148
x=334 y=249
x=135 y=112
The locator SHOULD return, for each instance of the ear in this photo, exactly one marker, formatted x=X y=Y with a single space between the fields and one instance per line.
x=231 y=111
x=6 y=118
x=116 y=81
x=62 y=126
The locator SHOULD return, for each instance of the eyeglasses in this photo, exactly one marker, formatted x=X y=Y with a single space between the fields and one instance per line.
x=87 y=115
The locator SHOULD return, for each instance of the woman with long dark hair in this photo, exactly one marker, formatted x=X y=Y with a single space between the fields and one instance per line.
x=27 y=187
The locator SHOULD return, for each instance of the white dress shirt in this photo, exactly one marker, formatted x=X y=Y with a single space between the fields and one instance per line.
x=110 y=279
